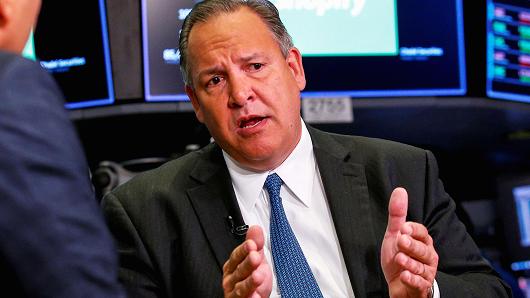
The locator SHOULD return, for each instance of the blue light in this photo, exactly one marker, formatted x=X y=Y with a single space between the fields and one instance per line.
x=519 y=266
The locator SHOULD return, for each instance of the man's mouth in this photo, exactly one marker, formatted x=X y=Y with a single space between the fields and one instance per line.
x=250 y=121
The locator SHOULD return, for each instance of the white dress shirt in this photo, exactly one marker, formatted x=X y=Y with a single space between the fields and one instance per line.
x=307 y=210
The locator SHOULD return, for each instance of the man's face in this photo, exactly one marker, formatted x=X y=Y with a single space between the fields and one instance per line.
x=17 y=18
x=244 y=90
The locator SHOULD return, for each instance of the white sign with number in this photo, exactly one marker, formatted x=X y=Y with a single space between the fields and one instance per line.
x=327 y=110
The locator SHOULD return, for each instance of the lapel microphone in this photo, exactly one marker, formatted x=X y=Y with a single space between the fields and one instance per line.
x=236 y=230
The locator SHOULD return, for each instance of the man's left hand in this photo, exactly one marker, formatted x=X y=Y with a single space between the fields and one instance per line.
x=408 y=257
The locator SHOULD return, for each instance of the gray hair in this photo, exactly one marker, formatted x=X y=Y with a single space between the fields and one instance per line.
x=203 y=11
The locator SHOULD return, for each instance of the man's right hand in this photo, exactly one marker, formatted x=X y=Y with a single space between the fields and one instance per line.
x=246 y=273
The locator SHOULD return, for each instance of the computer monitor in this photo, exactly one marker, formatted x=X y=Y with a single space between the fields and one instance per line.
x=382 y=48
x=514 y=206
x=508 y=50
x=71 y=42
x=161 y=23
x=354 y=48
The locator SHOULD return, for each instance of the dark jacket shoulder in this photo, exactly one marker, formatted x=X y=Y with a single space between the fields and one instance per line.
x=366 y=150
x=171 y=178
x=22 y=80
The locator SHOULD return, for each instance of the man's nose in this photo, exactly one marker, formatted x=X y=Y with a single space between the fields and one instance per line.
x=240 y=92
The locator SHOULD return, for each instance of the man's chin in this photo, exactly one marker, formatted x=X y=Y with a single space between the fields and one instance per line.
x=262 y=160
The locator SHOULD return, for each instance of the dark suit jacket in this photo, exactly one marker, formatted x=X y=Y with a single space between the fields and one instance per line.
x=173 y=235
x=53 y=239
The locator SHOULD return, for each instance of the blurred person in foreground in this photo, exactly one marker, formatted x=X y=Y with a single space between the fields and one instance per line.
x=329 y=215
x=53 y=239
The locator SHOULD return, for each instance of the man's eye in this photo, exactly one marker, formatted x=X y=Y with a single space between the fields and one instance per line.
x=256 y=66
x=214 y=81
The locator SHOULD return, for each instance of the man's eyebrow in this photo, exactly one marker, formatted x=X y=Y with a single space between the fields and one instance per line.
x=219 y=69
x=250 y=57
x=210 y=71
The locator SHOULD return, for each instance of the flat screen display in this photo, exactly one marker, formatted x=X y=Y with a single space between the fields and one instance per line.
x=515 y=214
x=71 y=42
x=161 y=23
x=355 y=48
x=508 y=50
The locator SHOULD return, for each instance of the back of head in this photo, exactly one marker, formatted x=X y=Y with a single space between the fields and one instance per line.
x=17 y=18
x=205 y=10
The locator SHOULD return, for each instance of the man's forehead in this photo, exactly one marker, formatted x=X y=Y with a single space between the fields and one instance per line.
x=242 y=31
x=223 y=18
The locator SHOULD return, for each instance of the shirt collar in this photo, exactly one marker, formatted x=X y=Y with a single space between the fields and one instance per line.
x=297 y=173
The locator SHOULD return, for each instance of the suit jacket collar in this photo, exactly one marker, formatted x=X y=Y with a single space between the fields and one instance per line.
x=214 y=201
x=346 y=189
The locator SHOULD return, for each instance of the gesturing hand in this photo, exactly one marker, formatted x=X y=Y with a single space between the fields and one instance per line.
x=408 y=257
x=246 y=273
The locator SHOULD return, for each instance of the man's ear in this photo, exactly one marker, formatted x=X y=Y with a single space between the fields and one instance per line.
x=6 y=11
x=294 y=60
x=195 y=102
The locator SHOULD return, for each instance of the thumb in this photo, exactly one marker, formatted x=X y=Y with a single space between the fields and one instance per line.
x=256 y=234
x=397 y=210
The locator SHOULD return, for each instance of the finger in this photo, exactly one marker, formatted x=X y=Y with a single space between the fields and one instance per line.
x=265 y=288
x=238 y=255
x=255 y=233
x=415 y=283
x=249 y=265
x=416 y=231
x=249 y=285
x=397 y=210
x=242 y=271
x=414 y=266
x=418 y=250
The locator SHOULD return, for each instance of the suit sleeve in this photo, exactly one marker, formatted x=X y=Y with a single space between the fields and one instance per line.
x=54 y=239
x=136 y=270
x=462 y=271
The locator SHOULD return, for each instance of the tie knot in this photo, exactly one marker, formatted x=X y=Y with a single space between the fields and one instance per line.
x=273 y=185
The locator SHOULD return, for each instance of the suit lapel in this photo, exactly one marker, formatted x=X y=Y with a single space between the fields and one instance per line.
x=347 y=193
x=214 y=201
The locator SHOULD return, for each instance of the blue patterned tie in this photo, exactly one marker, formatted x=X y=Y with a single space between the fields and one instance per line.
x=294 y=276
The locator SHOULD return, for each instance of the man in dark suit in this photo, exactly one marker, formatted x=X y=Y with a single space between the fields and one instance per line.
x=327 y=212
x=54 y=242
